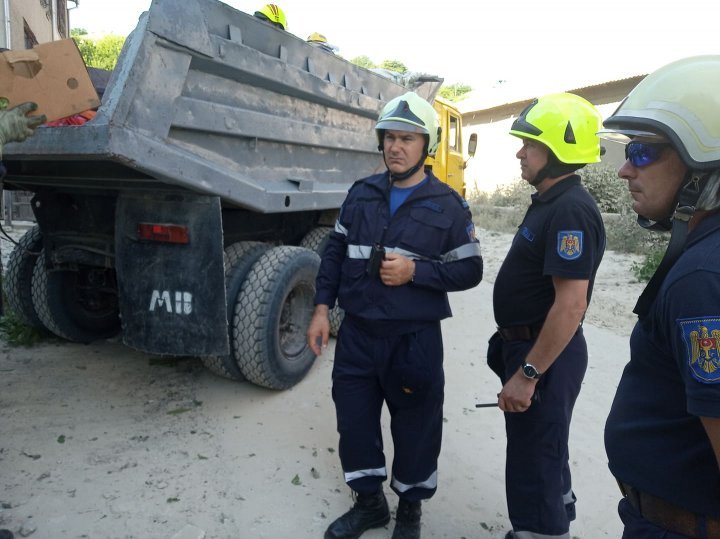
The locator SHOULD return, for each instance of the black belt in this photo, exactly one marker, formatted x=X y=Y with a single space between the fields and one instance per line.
x=520 y=333
x=669 y=516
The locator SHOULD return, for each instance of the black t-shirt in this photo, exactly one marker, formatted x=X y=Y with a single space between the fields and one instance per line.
x=562 y=235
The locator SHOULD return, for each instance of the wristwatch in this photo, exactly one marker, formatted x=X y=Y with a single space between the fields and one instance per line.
x=529 y=371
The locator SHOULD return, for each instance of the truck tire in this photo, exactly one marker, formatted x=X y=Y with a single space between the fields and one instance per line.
x=272 y=315
x=316 y=240
x=240 y=258
x=17 y=282
x=335 y=316
x=80 y=306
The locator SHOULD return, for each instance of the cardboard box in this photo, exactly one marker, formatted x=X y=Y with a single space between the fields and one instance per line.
x=53 y=75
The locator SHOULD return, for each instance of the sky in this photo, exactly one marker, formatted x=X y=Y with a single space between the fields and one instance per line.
x=559 y=44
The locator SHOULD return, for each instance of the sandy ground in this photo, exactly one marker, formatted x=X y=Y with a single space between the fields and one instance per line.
x=99 y=441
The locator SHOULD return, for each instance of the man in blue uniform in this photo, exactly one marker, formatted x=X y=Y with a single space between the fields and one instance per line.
x=402 y=241
x=662 y=436
x=539 y=299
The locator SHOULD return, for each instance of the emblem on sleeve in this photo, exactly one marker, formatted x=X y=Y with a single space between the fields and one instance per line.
x=702 y=345
x=570 y=244
x=470 y=229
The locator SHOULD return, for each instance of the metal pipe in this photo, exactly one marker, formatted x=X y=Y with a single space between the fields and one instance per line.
x=6 y=7
x=6 y=199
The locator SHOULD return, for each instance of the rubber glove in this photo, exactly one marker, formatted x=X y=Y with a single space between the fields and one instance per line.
x=16 y=125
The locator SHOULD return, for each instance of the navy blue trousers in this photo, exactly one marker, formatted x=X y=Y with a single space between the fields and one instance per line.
x=378 y=363
x=538 y=482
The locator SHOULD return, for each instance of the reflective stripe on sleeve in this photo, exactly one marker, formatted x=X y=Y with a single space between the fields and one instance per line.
x=363 y=252
x=430 y=482
x=464 y=251
x=370 y=472
x=359 y=251
x=340 y=229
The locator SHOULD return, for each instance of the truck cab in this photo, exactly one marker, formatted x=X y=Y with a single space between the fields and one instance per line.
x=449 y=163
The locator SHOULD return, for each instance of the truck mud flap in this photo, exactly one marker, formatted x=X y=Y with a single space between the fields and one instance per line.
x=169 y=262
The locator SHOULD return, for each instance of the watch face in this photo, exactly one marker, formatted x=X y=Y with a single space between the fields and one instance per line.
x=530 y=372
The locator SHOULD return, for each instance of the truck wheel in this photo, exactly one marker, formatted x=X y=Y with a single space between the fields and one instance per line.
x=79 y=306
x=272 y=315
x=335 y=316
x=17 y=282
x=240 y=258
x=316 y=240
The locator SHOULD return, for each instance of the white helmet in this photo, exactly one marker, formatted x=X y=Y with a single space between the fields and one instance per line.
x=680 y=101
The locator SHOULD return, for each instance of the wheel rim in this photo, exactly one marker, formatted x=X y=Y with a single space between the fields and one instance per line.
x=294 y=319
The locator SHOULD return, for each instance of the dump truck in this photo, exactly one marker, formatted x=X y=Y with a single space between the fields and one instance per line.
x=188 y=214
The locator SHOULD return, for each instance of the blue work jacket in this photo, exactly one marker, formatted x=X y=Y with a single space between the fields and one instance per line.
x=433 y=227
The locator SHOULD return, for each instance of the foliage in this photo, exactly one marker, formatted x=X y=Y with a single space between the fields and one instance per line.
x=455 y=92
x=363 y=61
x=503 y=210
x=16 y=333
x=394 y=65
x=102 y=52
x=516 y=194
x=609 y=191
x=644 y=270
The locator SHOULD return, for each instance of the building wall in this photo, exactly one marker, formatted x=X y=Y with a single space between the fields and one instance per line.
x=33 y=20
x=495 y=164
x=491 y=115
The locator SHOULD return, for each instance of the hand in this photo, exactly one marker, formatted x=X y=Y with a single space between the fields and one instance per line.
x=318 y=332
x=16 y=125
x=396 y=270
x=516 y=394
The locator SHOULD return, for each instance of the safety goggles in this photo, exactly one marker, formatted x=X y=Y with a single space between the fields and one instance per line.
x=642 y=154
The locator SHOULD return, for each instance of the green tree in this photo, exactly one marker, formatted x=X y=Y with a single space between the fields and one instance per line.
x=84 y=43
x=455 y=92
x=102 y=53
x=363 y=61
x=394 y=65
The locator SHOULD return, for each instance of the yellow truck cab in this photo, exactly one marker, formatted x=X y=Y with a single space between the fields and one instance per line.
x=449 y=163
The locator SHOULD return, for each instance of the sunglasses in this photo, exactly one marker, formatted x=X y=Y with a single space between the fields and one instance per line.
x=642 y=154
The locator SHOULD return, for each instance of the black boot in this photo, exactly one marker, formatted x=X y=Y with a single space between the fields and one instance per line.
x=407 y=525
x=369 y=511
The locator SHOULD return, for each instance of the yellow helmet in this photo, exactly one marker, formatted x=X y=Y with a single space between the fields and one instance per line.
x=316 y=37
x=410 y=112
x=679 y=101
x=566 y=123
x=273 y=14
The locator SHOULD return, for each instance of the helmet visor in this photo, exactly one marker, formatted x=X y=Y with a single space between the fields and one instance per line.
x=625 y=135
x=395 y=125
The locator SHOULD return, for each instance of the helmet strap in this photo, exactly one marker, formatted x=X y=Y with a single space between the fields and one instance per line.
x=404 y=175
x=554 y=168
x=408 y=173
x=694 y=183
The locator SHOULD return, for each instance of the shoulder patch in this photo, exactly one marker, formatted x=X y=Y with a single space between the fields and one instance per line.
x=570 y=244
x=470 y=229
x=701 y=337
